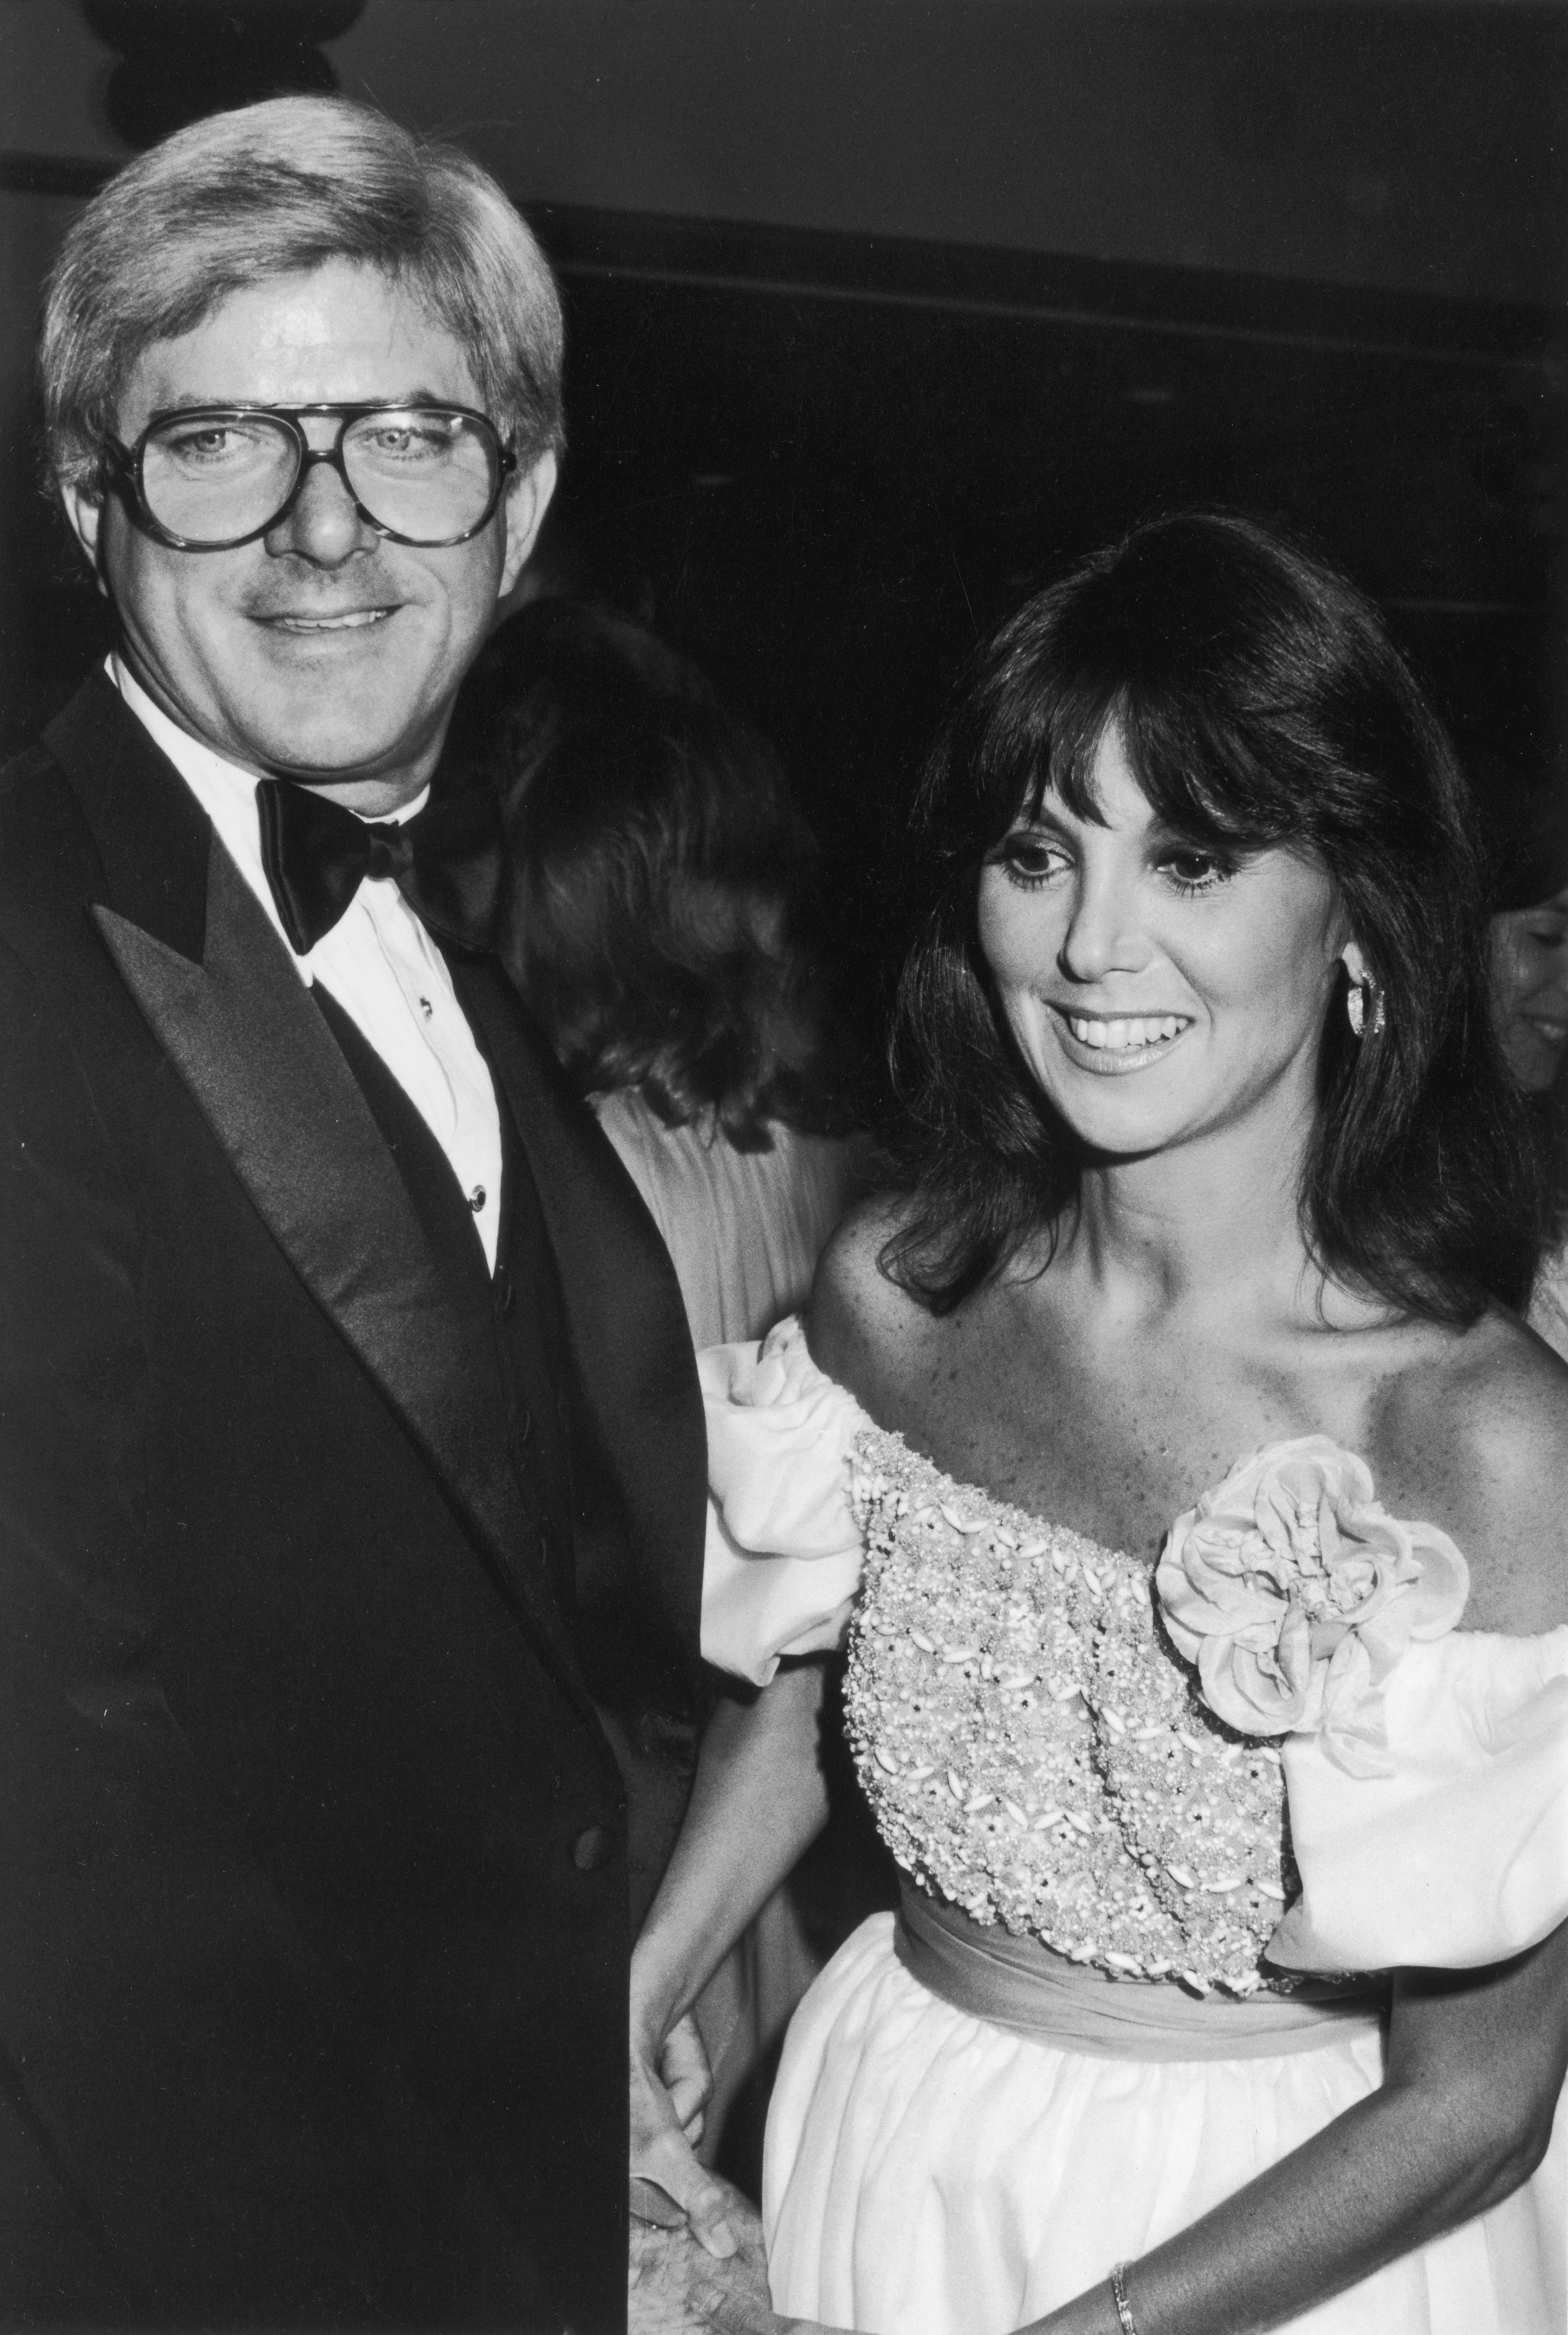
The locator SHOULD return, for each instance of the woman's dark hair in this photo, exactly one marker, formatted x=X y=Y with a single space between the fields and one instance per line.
x=663 y=922
x=1260 y=701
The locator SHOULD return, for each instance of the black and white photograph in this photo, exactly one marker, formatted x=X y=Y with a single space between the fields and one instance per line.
x=783 y=1167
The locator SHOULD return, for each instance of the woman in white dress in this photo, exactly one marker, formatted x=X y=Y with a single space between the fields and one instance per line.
x=1196 y=1515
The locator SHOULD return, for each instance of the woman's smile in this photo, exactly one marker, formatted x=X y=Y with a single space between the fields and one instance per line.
x=1113 y=1044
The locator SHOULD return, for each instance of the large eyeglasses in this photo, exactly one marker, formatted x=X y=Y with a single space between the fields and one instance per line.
x=206 y=478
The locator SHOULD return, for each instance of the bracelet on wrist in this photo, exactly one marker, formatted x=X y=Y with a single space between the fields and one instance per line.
x=1118 y=2296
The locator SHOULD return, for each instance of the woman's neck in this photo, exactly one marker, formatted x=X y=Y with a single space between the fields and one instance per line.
x=1214 y=1219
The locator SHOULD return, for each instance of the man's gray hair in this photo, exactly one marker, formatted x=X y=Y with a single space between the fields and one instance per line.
x=277 y=190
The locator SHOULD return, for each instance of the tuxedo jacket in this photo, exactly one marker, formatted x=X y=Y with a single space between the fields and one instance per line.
x=348 y=1680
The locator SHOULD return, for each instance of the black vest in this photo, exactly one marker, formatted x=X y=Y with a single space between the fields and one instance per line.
x=513 y=1318
x=516 y=1333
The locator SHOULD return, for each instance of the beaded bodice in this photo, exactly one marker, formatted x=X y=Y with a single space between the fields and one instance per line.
x=1036 y=1751
x=1054 y=1740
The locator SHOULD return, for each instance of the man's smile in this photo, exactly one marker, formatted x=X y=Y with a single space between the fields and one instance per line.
x=345 y=620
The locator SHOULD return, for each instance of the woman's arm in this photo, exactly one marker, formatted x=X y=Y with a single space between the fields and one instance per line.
x=758 y=1800
x=1476 y=2061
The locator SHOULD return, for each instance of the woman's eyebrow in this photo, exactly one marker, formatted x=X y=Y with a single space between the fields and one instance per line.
x=1168 y=829
x=1052 y=812
x=1163 y=834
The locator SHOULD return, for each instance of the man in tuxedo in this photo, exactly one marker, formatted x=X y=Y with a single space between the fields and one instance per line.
x=353 y=1453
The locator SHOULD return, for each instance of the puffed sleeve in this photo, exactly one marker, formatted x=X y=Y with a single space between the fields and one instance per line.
x=784 y=1550
x=1459 y=1855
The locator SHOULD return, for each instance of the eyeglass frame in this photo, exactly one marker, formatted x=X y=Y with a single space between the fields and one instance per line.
x=128 y=463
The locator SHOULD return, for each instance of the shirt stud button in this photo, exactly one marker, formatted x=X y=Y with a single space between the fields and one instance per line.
x=591 y=1849
x=426 y=1008
x=477 y=1198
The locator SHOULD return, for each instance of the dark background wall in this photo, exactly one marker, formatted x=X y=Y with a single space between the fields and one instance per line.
x=879 y=309
x=1405 y=146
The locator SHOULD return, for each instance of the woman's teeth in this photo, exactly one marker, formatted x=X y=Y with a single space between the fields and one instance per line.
x=1120 y=1037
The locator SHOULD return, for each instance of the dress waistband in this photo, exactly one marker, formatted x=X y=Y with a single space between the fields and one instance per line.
x=1023 y=1985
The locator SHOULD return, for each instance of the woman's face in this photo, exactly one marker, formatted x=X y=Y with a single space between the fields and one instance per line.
x=1530 y=989
x=1158 y=990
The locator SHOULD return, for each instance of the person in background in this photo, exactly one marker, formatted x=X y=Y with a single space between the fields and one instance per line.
x=1529 y=1001
x=662 y=929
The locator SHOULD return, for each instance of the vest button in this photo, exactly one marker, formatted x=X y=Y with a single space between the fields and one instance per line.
x=591 y=1849
x=505 y=1295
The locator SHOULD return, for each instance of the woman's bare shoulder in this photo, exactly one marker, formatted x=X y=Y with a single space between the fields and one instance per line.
x=1480 y=1436
x=863 y=1328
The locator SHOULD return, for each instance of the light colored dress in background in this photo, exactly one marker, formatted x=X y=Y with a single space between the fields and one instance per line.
x=1069 y=2045
x=1548 y=1314
x=744 y=1230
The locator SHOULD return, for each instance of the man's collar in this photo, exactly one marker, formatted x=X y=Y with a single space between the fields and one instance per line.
x=195 y=761
x=200 y=765
x=224 y=791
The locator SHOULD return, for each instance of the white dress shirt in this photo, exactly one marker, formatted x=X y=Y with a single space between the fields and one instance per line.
x=378 y=962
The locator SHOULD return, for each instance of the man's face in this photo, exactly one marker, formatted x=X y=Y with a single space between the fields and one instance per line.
x=321 y=651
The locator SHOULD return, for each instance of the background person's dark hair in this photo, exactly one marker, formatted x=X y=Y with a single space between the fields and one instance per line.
x=1527 y=831
x=664 y=924
x=1260 y=701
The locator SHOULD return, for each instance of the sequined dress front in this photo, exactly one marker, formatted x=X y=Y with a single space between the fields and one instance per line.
x=1034 y=1755
x=1039 y=1756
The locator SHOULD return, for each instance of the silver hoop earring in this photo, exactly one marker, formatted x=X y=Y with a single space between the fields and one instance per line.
x=1364 y=1004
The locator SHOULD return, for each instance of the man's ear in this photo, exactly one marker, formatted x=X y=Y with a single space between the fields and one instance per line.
x=527 y=501
x=83 y=510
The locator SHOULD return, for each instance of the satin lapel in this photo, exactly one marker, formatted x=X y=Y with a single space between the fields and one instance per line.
x=264 y=1071
x=623 y=1309
x=150 y=833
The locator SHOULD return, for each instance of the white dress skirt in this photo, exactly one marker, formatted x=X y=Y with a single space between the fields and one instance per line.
x=929 y=2172
x=1089 y=2025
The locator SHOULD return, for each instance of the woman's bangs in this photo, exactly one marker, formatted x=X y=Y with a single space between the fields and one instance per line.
x=1198 y=786
x=1062 y=758
x=1202 y=784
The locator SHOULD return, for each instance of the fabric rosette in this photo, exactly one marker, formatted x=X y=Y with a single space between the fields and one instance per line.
x=1295 y=1594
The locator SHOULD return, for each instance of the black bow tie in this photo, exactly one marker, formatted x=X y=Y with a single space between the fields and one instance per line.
x=446 y=862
